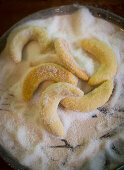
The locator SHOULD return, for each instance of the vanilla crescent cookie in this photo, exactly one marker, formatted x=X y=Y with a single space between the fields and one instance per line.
x=106 y=56
x=50 y=99
x=20 y=36
x=67 y=60
x=46 y=71
x=94 y=99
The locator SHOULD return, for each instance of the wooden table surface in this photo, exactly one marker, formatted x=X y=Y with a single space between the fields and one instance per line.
x=12 y=11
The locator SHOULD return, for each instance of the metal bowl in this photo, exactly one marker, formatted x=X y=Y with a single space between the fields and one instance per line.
x=60 y=10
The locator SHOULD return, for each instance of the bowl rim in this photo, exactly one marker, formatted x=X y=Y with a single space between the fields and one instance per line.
x=58 y=10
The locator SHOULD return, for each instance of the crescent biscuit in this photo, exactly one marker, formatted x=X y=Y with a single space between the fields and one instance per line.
x=105 y=56
x=19 y=37
x=67 y=60
x=94 y=99
x=46 y=71
x=50 y=99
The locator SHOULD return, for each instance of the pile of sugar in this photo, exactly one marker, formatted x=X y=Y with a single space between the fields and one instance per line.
x=26 y=138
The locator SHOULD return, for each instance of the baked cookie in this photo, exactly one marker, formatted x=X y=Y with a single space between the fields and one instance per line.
x=106 y=56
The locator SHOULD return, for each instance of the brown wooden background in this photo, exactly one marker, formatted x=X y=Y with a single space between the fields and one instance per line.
x=12 y=11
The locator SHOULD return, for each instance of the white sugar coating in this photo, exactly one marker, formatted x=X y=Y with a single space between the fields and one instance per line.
x=10 y=125
x=91 y=149
x=80 y=18
x=96 y=162
x=67 y=116
x=36 y=158
x=22 y=131
x=82 y=61
x=118 y=145
x=22 y=136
